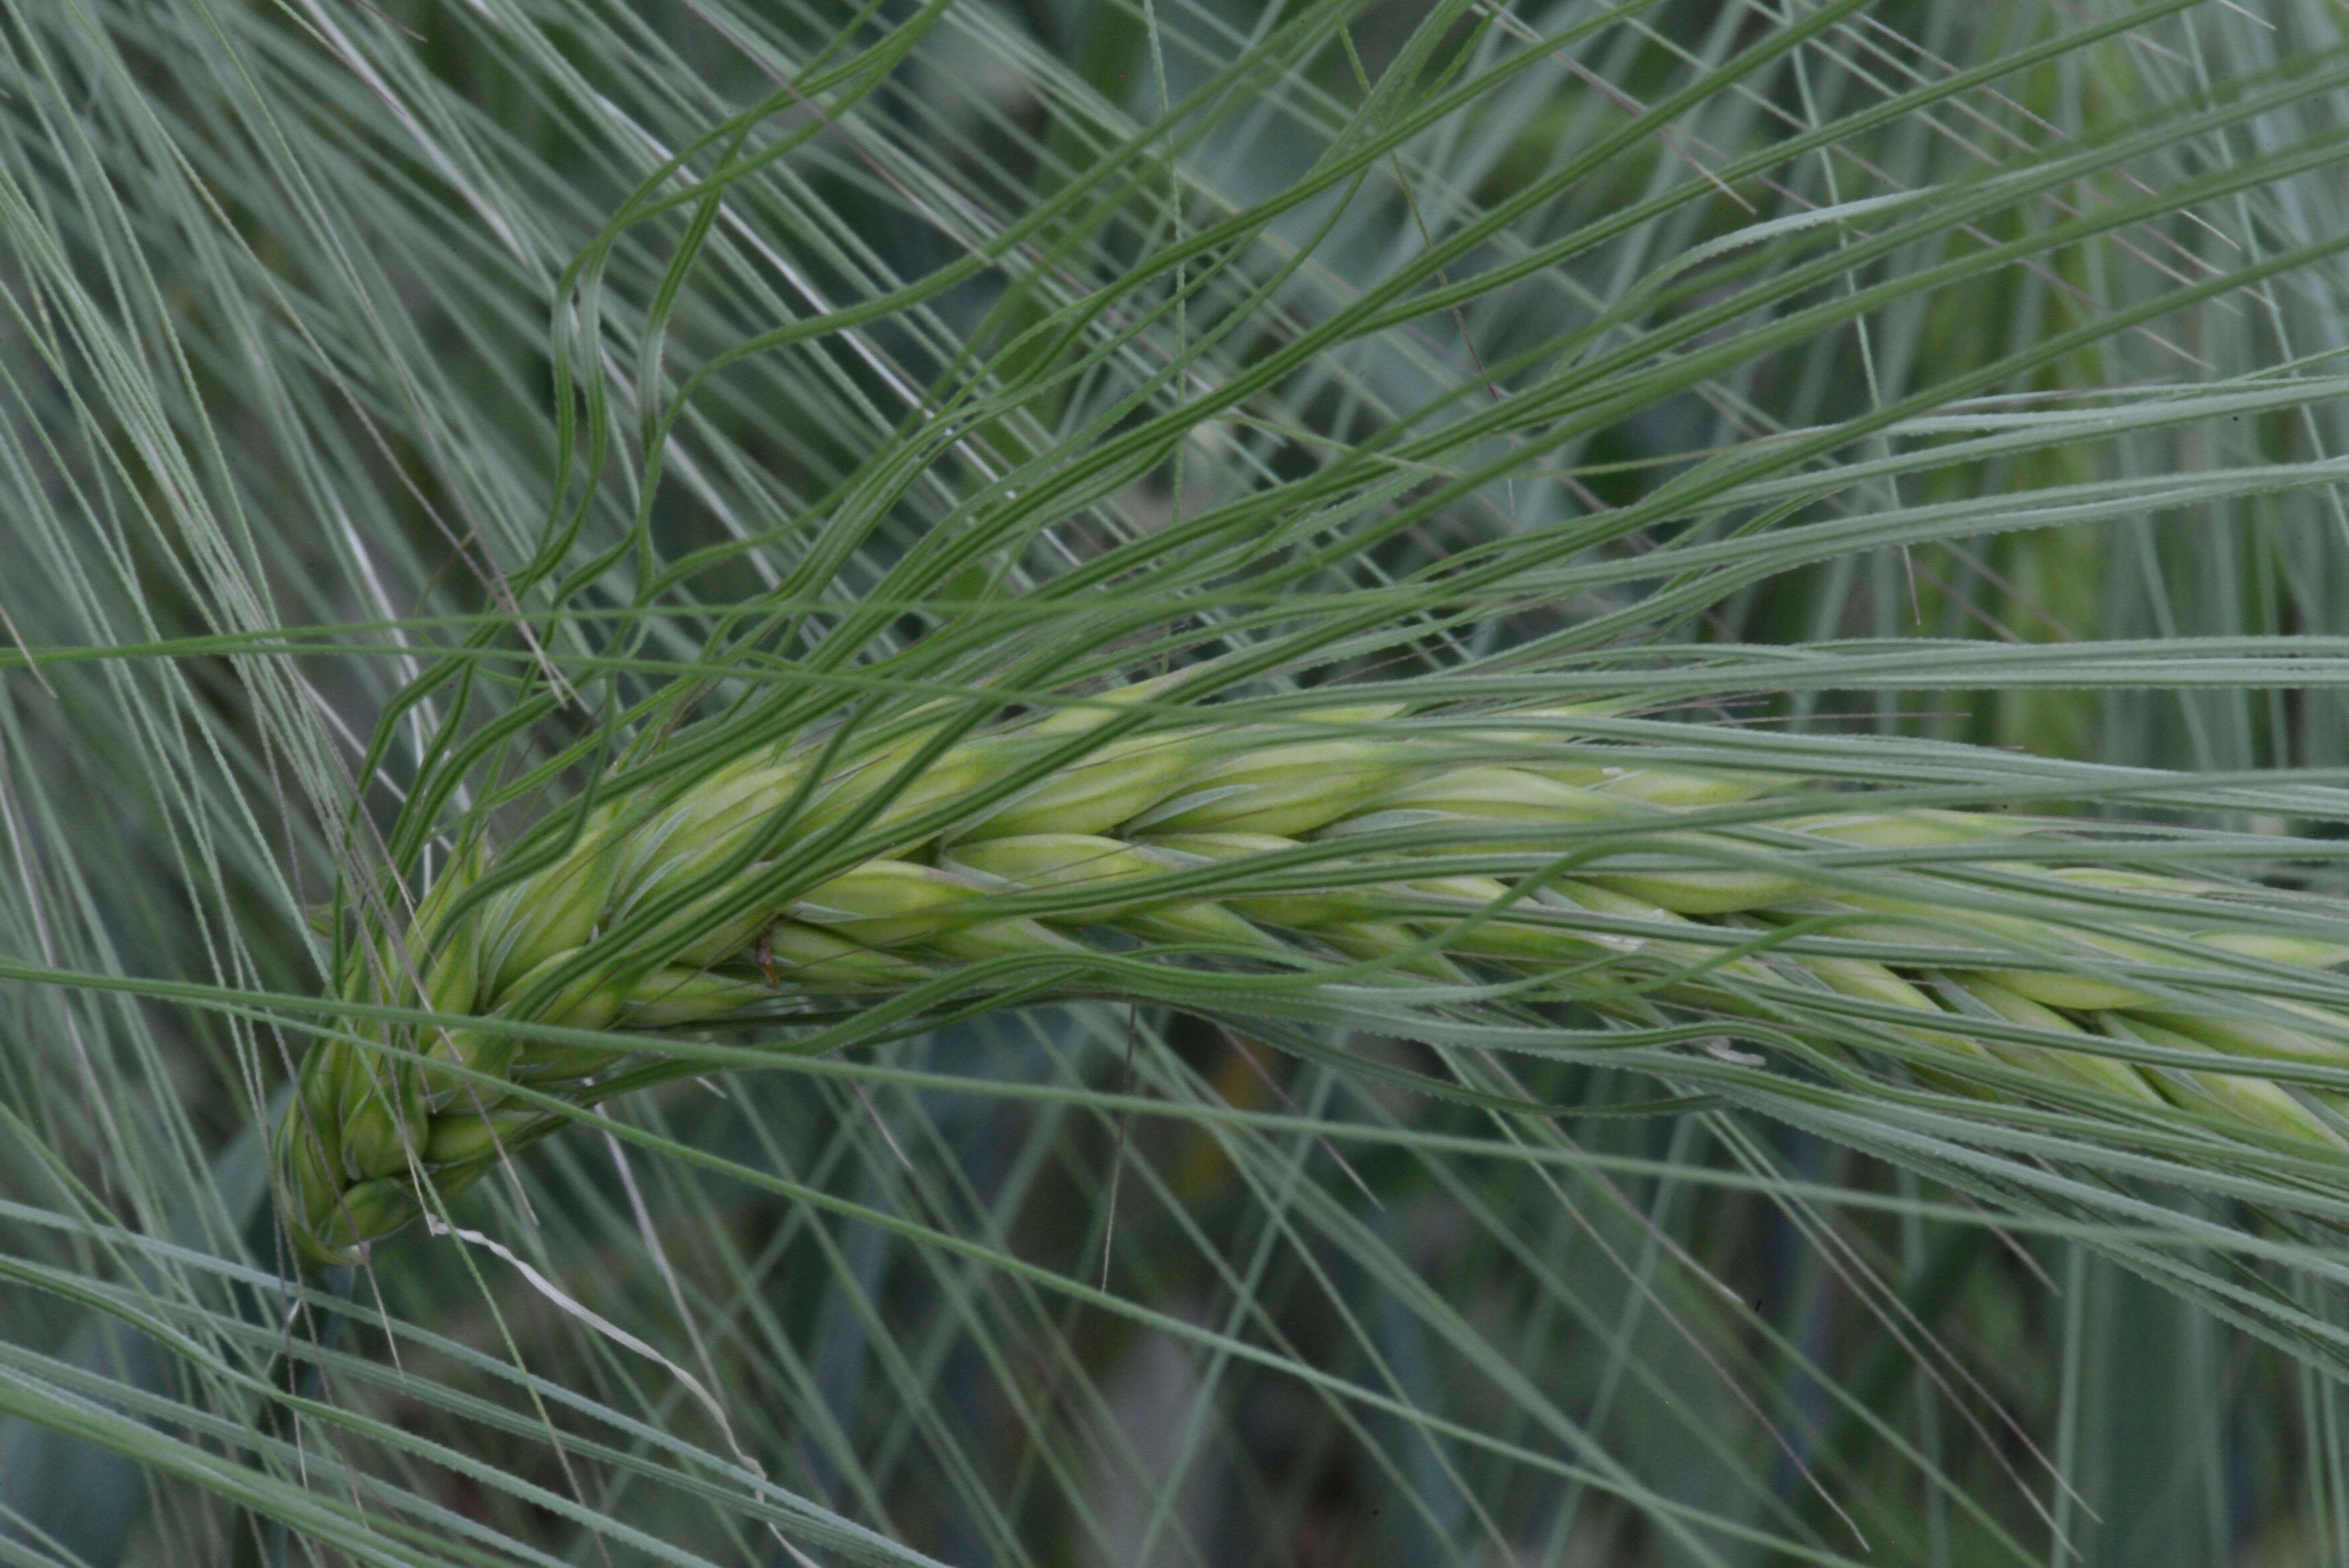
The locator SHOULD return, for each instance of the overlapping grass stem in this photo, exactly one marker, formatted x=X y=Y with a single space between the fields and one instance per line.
x=1378 y=865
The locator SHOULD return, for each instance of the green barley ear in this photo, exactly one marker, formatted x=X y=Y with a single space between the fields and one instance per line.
x=1382 y=864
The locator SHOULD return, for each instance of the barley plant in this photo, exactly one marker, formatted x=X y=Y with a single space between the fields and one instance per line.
x=1147 y=782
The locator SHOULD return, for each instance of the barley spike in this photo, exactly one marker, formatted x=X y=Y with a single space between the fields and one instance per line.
x=1403 y=851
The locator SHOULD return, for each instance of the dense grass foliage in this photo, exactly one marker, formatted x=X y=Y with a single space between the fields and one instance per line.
x=438 y=430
